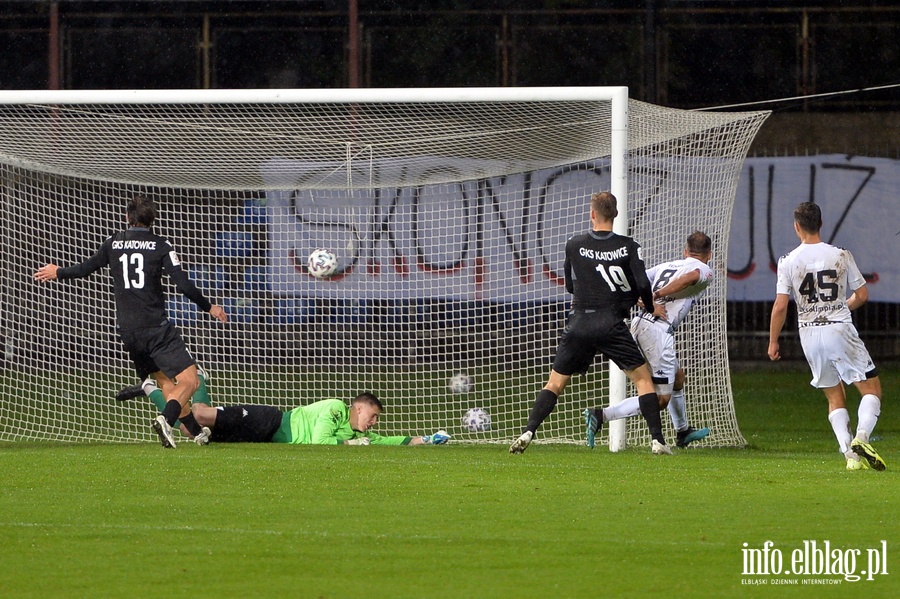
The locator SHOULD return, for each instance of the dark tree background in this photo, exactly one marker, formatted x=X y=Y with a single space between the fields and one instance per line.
x=690 y=53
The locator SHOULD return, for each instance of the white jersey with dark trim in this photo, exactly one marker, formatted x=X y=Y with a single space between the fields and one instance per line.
x=679 y=304
x=819 y=275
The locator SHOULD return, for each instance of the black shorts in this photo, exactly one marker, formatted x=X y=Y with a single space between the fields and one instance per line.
x=155 y=349
x=589 y=333
x=246 y=424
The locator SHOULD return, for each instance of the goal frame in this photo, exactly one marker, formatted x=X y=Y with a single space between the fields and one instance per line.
x=616 y=95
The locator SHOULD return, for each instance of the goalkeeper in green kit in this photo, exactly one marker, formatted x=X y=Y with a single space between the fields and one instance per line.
x=326 y=422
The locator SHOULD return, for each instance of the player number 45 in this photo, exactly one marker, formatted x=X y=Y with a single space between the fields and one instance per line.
x=820 y=286
x=614 y=277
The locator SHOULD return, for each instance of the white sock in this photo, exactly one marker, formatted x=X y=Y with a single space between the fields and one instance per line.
x=624 y=409
x=149 y=386
x=840 y=423
x=869 y=410
x=678 y=411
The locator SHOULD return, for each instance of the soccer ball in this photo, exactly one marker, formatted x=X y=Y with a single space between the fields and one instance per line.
x=321 y=263
x=460 y=383
x=476 y=420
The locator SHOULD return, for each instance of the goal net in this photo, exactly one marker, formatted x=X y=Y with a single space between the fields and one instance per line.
x=448 y=211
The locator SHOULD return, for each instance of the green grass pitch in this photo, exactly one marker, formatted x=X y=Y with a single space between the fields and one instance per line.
x=106 y=520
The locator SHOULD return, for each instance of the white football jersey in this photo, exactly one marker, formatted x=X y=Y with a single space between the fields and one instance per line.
x=679 y=304
x=819 y=276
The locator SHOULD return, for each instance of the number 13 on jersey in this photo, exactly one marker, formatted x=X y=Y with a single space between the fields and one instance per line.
x=133 y=279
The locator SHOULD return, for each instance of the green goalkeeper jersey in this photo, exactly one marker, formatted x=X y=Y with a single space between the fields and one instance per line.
x=326 y=422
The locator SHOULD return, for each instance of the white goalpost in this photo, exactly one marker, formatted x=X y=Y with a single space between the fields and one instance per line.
x=448 y=211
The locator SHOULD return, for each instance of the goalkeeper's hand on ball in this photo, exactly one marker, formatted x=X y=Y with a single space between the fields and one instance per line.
x=360 y=441
x=438 y=438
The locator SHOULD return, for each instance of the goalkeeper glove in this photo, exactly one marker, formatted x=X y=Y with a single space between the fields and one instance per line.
x=438 y=438
x=360 y=441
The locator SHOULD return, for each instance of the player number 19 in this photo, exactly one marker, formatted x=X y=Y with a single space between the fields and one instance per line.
x=614 y=277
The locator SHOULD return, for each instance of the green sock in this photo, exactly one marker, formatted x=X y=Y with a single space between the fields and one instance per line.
x=201 y=395
x=159 y=400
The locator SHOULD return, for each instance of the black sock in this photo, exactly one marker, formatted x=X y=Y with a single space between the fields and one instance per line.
x=172 y=411
x=649 y=403
x=543 y=405
x=191 y=424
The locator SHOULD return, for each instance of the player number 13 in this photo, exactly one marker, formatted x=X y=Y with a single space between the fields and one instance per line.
x=132 y=279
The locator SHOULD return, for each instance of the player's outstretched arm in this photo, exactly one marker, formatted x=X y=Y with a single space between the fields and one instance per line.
x=218 y=312
x=438 y=438
x=46 y=273
x=679 y=284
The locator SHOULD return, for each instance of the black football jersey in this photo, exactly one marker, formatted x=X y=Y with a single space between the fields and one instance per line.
x=605 y=271
x=137 y=259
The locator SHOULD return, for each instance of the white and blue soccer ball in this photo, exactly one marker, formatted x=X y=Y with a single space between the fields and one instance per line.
x=476 y=420
x=321 y=263
x=461 y=383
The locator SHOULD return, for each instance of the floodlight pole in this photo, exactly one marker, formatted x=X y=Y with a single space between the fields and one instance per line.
x=353 y=43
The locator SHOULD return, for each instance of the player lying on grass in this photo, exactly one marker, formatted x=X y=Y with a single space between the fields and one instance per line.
x=325 y=422
x=676 y=285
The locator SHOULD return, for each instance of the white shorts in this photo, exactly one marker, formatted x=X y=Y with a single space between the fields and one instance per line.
x=835 y=353
x=657 y=343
